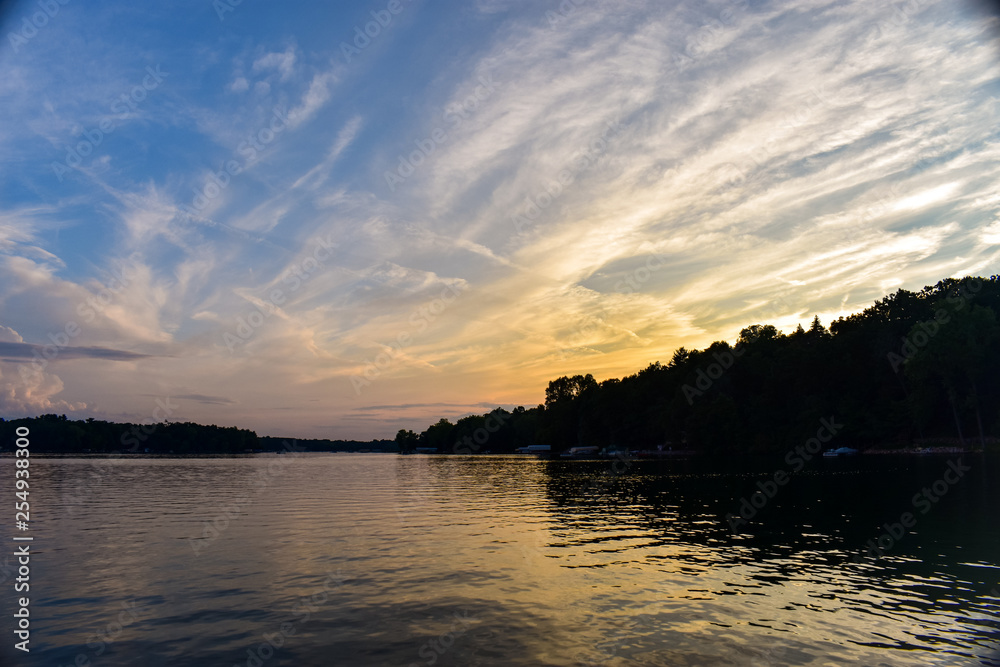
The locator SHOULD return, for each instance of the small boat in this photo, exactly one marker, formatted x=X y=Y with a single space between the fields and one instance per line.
x=581 y=453
x=842 y=451
x=538 y=450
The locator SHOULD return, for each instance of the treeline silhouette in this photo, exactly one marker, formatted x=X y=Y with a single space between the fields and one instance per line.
x=271 y=444
x=55 y=434
x=914 y=368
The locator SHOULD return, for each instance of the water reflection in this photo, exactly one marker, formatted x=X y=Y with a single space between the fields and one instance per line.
x=384 y=560
x=790 y=573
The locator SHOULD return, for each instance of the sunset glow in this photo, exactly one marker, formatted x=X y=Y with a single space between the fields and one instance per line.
x=279 y=221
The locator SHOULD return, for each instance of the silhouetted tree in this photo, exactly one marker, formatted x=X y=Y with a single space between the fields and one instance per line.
x=770 y=391
x=406 y=440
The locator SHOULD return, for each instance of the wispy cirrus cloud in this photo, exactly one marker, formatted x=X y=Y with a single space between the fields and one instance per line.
x=779 y=159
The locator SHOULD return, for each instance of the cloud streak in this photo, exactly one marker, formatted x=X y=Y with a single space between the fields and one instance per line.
x=782 y=159
x=17 y=351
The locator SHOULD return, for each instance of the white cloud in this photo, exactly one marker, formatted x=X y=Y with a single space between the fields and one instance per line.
x=30 y=394
x=345 y=137
x=789 y=166
x=928 y=197
x=991 y=234
x=315 y=97
x=283 y=63
x=8 y=335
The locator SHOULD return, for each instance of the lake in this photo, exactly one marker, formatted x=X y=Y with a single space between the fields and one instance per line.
x=369 y=559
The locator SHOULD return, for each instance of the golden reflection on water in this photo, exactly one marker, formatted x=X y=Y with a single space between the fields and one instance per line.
x=505 y=561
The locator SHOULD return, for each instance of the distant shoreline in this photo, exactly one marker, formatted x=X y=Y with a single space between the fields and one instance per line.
x=643 y=456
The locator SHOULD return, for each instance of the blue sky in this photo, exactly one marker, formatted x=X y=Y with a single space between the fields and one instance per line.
x=281 y=224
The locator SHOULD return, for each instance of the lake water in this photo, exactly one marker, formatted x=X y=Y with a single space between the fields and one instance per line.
x=424 y=560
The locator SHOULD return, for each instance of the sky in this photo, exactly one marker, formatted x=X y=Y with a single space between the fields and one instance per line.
x=337 y=220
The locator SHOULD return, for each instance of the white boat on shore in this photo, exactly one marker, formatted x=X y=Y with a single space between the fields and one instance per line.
x=581 y=453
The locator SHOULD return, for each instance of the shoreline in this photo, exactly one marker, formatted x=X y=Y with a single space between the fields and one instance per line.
x=635 y=455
